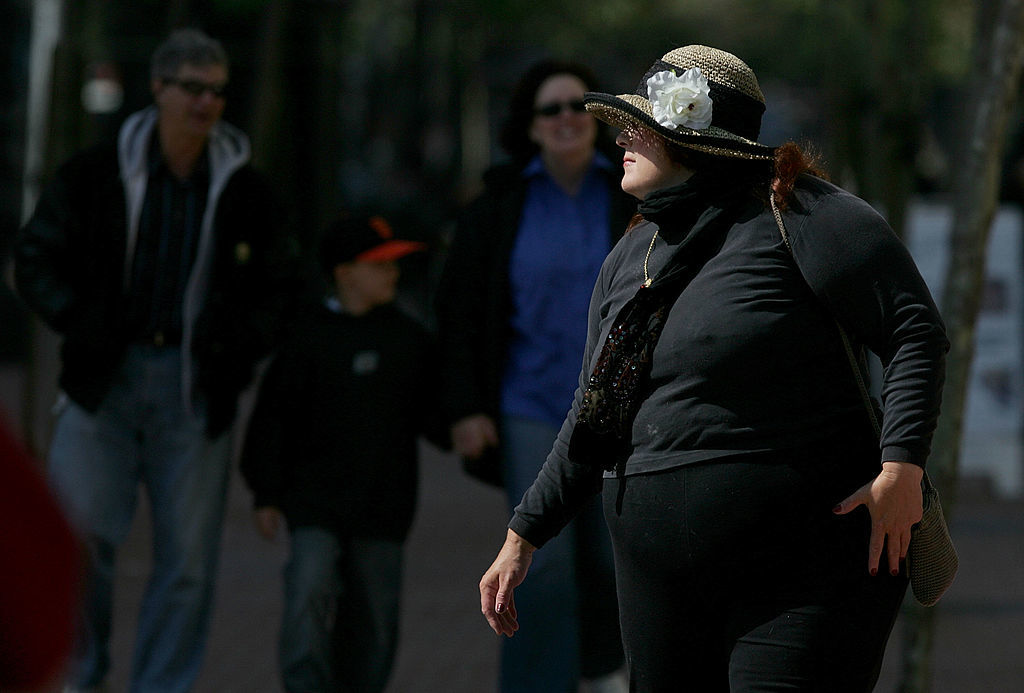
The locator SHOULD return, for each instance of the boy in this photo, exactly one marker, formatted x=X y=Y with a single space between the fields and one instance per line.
x=331 y=447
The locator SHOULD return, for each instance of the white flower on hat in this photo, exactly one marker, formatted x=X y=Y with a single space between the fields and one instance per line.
x=680 y=100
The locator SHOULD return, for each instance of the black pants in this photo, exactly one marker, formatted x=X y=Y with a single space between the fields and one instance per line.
x=736 y=576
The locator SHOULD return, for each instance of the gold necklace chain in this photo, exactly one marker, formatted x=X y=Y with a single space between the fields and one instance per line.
x=647 y=279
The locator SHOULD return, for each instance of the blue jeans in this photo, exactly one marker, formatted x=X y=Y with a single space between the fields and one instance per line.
x=339 y=631
x=144 y=435
x=567 y=606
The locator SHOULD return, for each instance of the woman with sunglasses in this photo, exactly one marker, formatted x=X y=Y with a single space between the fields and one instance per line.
x=512 y=311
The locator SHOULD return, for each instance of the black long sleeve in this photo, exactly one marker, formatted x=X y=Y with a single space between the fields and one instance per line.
x=750 y=358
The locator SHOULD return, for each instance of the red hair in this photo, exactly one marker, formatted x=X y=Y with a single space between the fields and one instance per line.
x=790 y=161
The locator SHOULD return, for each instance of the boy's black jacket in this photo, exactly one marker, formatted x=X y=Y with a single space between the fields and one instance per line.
x=332 y=440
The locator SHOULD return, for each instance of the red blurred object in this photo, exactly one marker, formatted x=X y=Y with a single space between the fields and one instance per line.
x=40 y=562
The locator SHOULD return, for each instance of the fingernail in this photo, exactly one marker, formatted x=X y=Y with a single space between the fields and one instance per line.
x=499 y=607
x=895 y=572
x=837 y=508
x=874 y=571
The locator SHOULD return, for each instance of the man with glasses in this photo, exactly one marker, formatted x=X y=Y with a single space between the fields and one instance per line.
x=161 y=262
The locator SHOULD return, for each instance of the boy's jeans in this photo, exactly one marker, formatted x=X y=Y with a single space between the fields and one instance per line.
x=142 y=434
x=339 y=631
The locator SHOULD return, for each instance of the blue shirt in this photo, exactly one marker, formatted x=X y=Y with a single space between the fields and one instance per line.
x=558 y=252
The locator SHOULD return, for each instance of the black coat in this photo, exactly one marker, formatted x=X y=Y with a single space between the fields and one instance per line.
x=474 y=298
x=70 y=260
x=332 y=440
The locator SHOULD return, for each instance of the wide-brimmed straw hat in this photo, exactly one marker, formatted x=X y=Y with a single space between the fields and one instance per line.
x=696 y=97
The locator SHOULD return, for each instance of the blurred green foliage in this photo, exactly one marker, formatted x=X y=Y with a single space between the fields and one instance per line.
x=390 y=101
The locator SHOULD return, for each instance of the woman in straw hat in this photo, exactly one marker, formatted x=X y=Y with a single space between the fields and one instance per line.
x=758 y=523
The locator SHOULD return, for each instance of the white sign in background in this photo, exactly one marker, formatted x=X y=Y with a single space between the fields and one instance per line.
x=994 y=417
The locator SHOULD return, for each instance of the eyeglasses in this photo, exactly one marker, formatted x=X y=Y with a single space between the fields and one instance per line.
x=554 y=108
x=196 y=88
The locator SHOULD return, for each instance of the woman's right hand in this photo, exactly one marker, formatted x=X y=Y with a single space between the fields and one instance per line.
x=472 y=435
x=499 y=582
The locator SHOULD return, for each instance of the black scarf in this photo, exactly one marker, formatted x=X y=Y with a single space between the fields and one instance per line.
x=700 y=210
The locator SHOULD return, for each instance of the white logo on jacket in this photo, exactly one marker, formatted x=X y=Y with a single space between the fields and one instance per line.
x=365 y=362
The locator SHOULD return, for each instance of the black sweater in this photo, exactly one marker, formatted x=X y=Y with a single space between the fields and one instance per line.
x=332 y=440
x=750 y=359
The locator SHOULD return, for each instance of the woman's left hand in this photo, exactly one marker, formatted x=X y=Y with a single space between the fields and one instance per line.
x=895 y=502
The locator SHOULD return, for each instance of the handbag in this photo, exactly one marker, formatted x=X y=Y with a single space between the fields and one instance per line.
x=932 y=561
x=931 y=558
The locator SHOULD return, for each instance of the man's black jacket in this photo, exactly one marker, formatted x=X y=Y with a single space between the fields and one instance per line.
x=70 y=261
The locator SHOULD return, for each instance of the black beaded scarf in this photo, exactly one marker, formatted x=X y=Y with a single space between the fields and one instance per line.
x=701 y=209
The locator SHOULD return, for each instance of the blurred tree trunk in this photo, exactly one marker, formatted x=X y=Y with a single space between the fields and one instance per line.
x=299 y=131
x=176 y=13
x=902 y=111
x=68 y=128
x=998 y=57
x=83 y=40
x=877 y=97
x=473 y=109
x=269 y=117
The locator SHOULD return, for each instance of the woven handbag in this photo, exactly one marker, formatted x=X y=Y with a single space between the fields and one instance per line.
x=931 y=558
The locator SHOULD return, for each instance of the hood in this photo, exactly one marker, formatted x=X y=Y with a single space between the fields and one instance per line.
x=229 y=147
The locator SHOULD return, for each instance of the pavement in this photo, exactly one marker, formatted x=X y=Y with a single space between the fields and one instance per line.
x=447 y=647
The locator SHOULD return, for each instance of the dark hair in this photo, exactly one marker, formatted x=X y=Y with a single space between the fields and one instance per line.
x=190 y=46
x=515 y=132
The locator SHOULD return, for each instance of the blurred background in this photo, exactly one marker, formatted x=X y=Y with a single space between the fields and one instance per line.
x=394 y=105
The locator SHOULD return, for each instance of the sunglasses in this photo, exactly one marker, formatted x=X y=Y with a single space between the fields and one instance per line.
x=554 y=108
x=196 y=88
